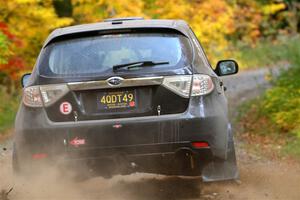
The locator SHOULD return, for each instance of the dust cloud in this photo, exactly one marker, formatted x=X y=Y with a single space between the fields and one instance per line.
x=54 y=184
x=261 y=179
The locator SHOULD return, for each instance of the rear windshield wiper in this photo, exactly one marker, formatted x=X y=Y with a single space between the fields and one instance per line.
x=139 y=64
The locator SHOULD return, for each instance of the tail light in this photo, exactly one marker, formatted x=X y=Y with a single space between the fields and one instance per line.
x=201 y=84
x=52 y=93
x=32 y=96
x=37 y=96
x=181 y=85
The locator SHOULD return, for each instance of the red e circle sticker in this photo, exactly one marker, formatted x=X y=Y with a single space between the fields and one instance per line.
x=65 y=108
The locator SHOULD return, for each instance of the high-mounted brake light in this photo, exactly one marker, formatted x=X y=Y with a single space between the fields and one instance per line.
x=37 y=96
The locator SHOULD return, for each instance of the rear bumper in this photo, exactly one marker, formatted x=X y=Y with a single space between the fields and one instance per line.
x=137 y=137
x=174 y=158
x=170 y=159
x=135 y=151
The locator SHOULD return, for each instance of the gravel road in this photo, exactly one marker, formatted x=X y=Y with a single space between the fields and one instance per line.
x=261 y=178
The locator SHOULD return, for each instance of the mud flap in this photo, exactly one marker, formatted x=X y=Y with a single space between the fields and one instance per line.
x=222 y=170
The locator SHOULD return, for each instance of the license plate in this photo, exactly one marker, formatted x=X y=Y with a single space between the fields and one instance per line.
x=117 y=99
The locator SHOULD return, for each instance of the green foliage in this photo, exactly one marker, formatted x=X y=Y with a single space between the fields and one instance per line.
x=277 y=113
x=4 y=49
x=8 y=109
x=63 y=8
x=293 y=147
x=282 y=103
x=268 y=53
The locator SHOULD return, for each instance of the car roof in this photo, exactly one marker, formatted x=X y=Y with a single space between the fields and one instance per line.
x=119 y=24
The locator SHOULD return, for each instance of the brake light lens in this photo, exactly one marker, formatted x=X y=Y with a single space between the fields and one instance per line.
x=202 y=85
x=37 y=96
x=180 y=85
x=32 y=96
x=199 y=145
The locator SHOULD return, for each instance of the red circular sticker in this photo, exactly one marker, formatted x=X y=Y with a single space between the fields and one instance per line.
x=65 y=108
x=132 y=104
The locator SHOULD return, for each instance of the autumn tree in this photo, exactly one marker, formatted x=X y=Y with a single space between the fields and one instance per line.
x=4 y=45
x=87 y=11
x=211 y=20
x=8 y=42
x=25 y=25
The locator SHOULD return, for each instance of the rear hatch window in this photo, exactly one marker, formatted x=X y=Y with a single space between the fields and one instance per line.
x=94 y=56
x=88 y=59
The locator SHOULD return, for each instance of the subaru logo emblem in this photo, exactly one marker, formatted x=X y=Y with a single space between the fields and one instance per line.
x=114 y=81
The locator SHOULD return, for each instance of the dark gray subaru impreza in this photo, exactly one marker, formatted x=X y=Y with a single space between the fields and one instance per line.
x=126 y=95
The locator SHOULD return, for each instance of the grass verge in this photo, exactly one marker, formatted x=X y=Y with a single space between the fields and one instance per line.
x=8 y=109
x=272 y=122
x=267 y=53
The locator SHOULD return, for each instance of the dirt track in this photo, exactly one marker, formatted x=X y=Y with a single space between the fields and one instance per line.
x=260 y=178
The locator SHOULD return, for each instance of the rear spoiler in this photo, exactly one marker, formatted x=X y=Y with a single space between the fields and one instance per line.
x=68 y=36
